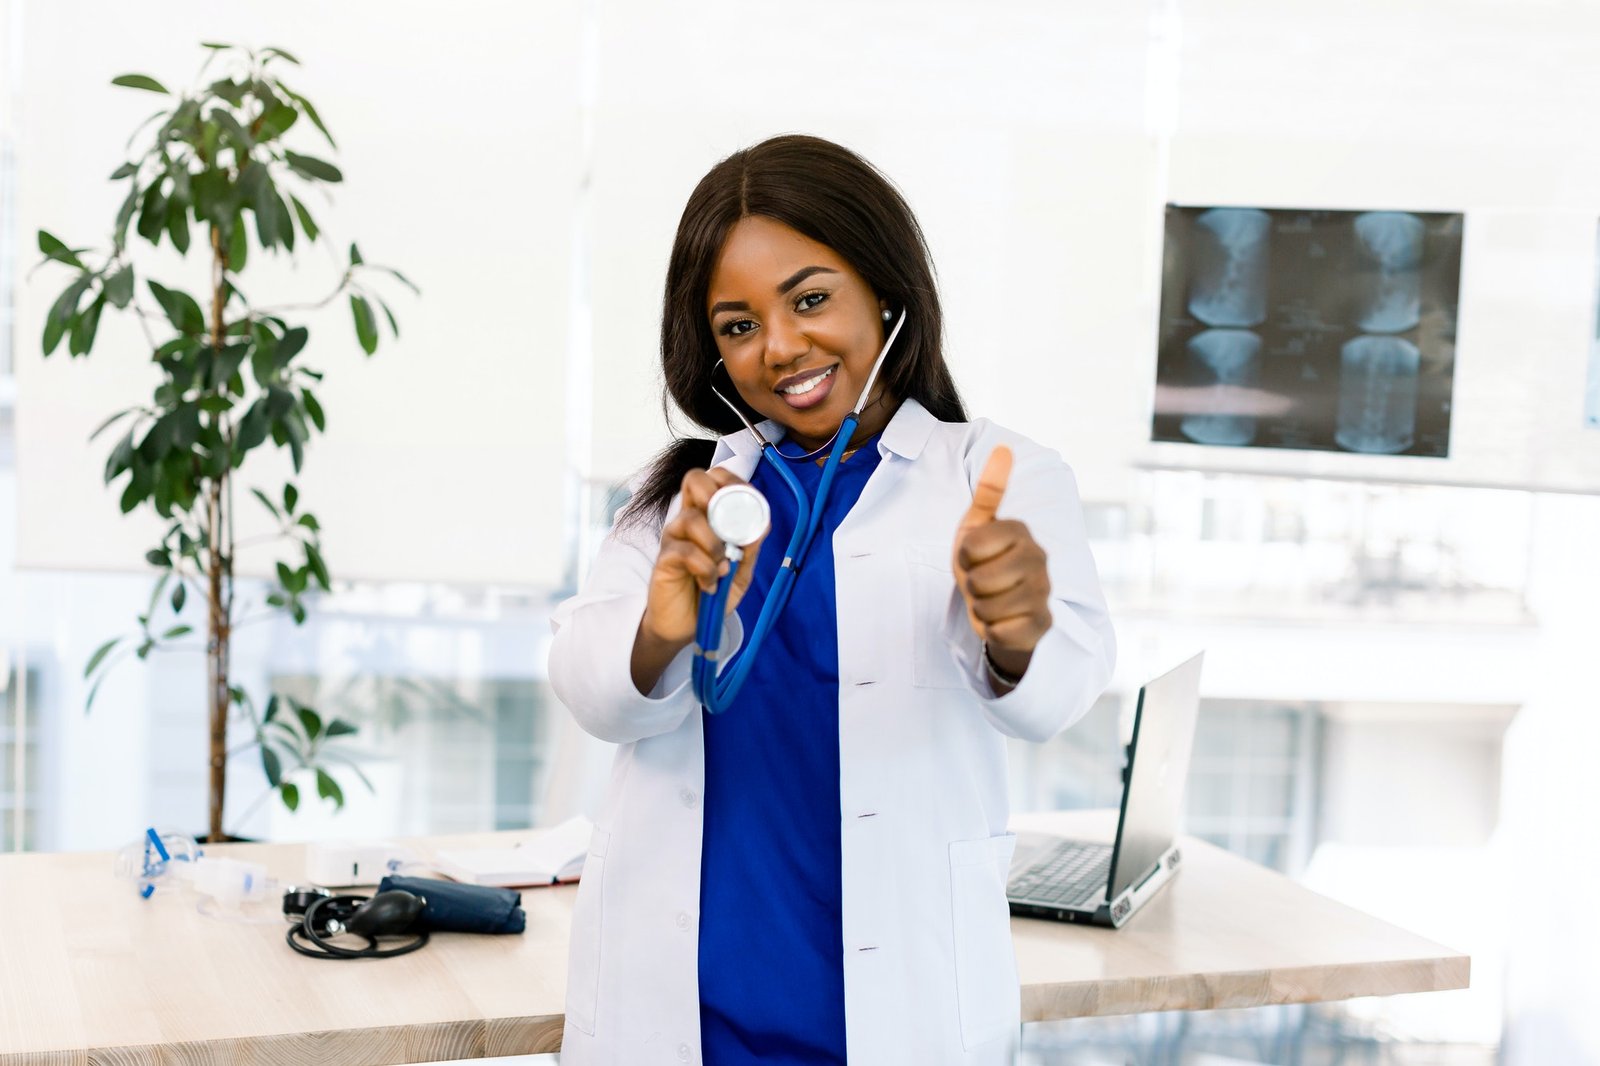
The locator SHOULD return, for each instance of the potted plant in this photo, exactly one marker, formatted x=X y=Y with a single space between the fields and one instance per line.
x=217 y=176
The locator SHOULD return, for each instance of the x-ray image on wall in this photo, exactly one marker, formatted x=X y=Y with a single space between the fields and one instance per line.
x=1329 y=330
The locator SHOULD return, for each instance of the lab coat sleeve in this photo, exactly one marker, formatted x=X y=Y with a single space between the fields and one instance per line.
x=1073 y=661
x=591 y=654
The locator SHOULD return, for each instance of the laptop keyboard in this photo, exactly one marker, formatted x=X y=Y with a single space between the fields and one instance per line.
x=1069 y=874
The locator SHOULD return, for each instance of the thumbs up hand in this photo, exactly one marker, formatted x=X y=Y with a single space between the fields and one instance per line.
x=1000 y=570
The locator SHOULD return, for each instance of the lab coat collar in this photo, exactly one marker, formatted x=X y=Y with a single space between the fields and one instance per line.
x=905 y=435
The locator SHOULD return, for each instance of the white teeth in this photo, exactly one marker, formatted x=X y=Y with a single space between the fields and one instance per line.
x=808 y=384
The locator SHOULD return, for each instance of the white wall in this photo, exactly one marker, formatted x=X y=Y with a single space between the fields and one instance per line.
x=459 y=137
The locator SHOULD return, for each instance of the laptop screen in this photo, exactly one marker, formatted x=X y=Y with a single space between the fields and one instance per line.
x=1158 y=762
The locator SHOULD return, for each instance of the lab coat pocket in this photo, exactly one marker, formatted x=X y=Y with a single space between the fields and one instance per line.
x=932 y=586
x=583 y=964
x=987 y=990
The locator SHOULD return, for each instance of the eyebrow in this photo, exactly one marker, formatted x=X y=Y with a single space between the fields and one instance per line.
x=784 y=286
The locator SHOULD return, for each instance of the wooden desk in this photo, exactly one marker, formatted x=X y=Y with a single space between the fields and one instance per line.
x=90 y=973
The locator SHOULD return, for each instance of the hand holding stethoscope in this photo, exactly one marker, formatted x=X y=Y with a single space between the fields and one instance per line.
x=1000 y=570
x=691 y=561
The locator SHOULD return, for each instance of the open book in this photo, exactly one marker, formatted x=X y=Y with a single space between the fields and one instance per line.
x=546 y=857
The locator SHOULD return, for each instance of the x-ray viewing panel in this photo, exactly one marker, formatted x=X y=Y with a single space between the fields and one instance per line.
x=1326 y=330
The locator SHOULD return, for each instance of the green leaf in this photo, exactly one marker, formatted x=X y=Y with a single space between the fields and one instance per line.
x=178 y=225
x=238 y=247
x=275 y=122
x=52 y=247
x=66 y=305
x=393 y=325
x=273 y=704
x=401 y=278
x=318 y=567
x=306 y=222
x=54 y=329
x=214 y=46
x=265 y=203
x=355 y=255
x=284 y=221
x=268 y=504
x=121 y=456
x=131 y=495
x=279 y=52
x=126 y=170
x=152 y=215
x=158 y=557
x=291 y=496
x=314 y=410
x=340 y=728
x=328 y=788
x=310 y=522
x=100 y=654
x=140 y=81
x=144 y=649
x=272 y=765
x=181 y=309
x=310 y=720
x=180 y=594
x=311 y=113
x=119 y=287
x=290 y=343
x=286 y=576
x=216 y=199
x=242 y=141
x=108 y=423
x=177 y=631
x=311 y=168
x=291 y=796
x=83 y=330
x=119 y=233
x=230 y=90
x=366 y=324
x=253 y=428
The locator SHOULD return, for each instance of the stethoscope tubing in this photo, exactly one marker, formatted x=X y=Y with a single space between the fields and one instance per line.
x=717 y=692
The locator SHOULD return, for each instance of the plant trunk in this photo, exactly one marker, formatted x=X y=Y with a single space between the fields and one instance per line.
x=219 y=572
x=217 y=639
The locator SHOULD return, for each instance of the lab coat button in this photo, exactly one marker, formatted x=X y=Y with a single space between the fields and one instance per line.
x=683 y=920
x=689 y=797
x=683 y=1052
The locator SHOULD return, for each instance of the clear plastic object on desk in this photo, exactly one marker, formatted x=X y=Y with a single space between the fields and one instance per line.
x=154 y=860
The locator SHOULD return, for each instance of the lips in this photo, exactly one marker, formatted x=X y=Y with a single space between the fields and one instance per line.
x=814 y=385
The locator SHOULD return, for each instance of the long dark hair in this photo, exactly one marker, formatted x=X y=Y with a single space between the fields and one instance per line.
x=833 y=196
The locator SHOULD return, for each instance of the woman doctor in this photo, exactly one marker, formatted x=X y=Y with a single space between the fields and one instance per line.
x=817 y=874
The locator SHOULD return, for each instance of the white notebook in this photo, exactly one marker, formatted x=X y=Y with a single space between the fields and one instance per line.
x=546 y=857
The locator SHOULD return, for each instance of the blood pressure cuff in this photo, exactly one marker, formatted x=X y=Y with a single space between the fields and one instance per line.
x=453 y=907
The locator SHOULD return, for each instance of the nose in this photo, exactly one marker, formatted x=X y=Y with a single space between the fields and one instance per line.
x=786 y=342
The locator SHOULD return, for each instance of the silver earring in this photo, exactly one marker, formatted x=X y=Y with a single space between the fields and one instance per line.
x=887 y=314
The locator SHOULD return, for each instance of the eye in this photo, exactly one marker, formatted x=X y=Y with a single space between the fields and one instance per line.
x=736 y=327
x=809 y=300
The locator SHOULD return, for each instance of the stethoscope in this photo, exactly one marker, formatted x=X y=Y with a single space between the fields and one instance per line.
x=739 y=515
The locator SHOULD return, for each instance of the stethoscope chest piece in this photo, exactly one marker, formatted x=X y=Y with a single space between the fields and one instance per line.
x=739 y=515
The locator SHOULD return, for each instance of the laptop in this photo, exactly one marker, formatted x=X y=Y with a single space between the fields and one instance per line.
x=1105 y=884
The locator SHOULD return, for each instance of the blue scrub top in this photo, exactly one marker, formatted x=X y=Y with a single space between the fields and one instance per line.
x=771 y=939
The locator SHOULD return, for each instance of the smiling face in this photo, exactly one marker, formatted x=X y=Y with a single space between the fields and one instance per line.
x=798 y=330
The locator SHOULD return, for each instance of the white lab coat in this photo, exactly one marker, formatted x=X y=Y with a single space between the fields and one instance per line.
x=929 y=974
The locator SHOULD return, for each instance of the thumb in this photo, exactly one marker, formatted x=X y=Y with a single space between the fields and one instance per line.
x=990 y=488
